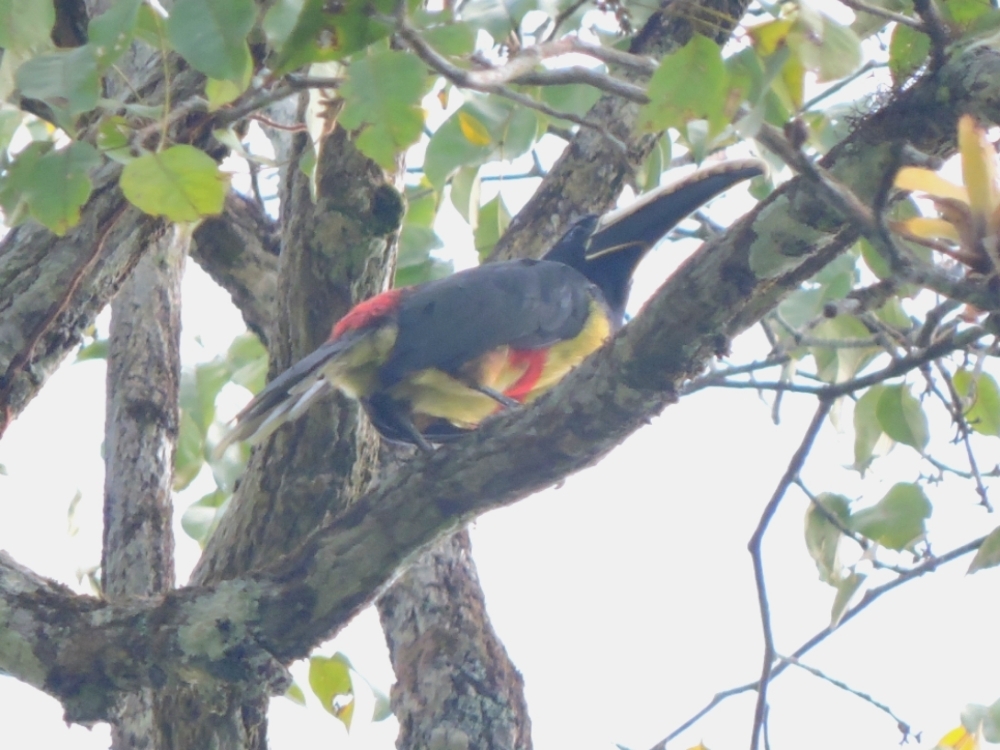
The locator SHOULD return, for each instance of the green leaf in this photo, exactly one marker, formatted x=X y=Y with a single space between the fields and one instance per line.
x=382 y=93
x=96 y=349
x=316 y=31
x=867 y=428
x=65 y=79
x=421 y=205
x=25 y=25
x=981 y=399
x=212 y=36
x=484 y=128
x=456 y=38
x=572 y=98
x=494 y=219
x=50 y=185
x=839 y=364
x=189 y=456
x=220 y=93
x=383 y=707
x=202 y=517
x=846 y=589
x=964 y=12
x=330 y=679
x=902 y=418
x=113 y=138
x=110 y=34
x=61 y=185
x=897 y=520
x=181 y=183
x=908 y=49
x=209 y=379
x=692 y=83
x=988 y=555
x=834 y=53
x=247 y=361
x=498 y=19
x=295 y=694
x=823 y=537
x=10 y=121
x=15 y=184
x=151 y=27
x=466 y=187
x=976 y=718
x=866 y=24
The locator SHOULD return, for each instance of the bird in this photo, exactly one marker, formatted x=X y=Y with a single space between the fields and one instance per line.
x=430 y=362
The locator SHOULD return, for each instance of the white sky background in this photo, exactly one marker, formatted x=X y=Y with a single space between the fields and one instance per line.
x=625 y=597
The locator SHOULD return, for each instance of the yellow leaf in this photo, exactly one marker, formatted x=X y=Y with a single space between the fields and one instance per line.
x=929 y=228
x=793 y=74
x=979 y=167
x=926 y=181
x=473 y=130
x=958 y=739
x=770 y=36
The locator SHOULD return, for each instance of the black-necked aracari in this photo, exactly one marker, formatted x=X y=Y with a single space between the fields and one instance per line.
x=430 y=362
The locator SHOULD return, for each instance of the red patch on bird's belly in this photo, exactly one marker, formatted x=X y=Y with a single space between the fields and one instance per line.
x=533 y=360
x=367 y=312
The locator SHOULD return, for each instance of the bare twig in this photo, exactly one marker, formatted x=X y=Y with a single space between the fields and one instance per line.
x=580 y=74
x=888 y=15
x=962 y=425
x=486 y=81
x=613 y=56
x=928 y=566
x=904 y=726
x=834 y=88
x=896 y=368
x=794 y=467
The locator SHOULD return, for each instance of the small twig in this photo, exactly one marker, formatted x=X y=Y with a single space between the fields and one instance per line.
x=587 y=76
x=896 y=368
x=873 y=594
x=834 y=88
x=475 y=80
x=294 y=128
x=718 y=377
x=904 y=726
x=192 y=104
x=560 y=19
x=933 y=319
x=613 y=56
x=962 y=425
x=888 y=15
x=794 y=467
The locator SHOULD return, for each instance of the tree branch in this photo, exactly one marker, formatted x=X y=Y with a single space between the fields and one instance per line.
x=791 y=474
x=239 y=250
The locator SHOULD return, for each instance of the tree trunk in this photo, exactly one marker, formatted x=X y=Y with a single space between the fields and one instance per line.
x=140 y=437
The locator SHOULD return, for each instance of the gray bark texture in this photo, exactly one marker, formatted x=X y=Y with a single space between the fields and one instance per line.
x=455 y=685
x=140 y=437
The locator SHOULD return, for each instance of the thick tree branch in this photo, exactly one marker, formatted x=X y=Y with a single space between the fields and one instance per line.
x=51 y=288
x=239 y=250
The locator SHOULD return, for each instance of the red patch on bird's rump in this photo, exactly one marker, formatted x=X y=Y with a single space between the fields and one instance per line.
x=367 y=312
x=533 y=360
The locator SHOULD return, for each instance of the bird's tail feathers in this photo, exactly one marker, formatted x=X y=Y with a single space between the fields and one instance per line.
x=290 y=394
